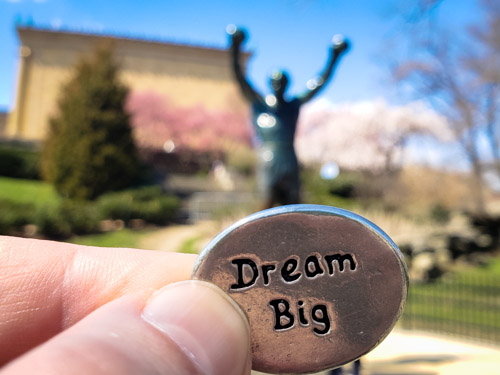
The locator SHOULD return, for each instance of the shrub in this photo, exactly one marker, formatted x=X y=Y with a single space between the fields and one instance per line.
x=89 y=149
x=147 y=203
x=61 y=219
x=338 y=192
x=344 y=186
x=440 y=213
x=14 y=216
x=82 y=217
x=19 y=162
x=50 y=222
x=67 y=218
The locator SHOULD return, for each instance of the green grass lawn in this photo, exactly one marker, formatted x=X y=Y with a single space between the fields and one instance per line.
x=491 y=269
x=190 y=246
x=464 y=303
x=34 y=192
x=122 y=238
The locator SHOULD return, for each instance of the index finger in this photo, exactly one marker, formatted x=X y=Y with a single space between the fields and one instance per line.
x=47 y=286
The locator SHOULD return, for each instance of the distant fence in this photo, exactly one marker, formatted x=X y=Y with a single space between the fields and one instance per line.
x=462 y=305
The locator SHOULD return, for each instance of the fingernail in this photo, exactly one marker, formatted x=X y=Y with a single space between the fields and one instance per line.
x=206 y=325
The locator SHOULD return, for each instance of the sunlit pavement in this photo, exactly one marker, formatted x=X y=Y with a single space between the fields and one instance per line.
x=419 y=353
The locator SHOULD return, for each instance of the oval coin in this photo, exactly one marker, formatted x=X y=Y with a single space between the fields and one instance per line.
x=321 y=286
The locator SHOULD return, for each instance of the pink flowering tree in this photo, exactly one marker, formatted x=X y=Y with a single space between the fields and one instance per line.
x=158 y=124
x=364 y=135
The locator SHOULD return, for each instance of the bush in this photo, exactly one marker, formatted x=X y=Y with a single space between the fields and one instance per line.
x=82 y=217
x=19 y=162
x=147 y=203
x=66 y=219
x=61 y=219
x=440 y=213
x=89 y=149
x=345 y=186
x=51 y=223
x=338 y=192
x=14 y=216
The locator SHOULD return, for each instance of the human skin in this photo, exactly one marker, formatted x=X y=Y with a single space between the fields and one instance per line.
x=70 y=309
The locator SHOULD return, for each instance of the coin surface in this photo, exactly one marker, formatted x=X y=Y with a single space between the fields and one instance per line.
x=321 y=286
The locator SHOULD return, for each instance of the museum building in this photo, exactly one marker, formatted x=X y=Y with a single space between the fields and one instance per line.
x=187 y=76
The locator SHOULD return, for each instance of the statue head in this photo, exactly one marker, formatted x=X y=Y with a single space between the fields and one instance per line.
x=279 y=82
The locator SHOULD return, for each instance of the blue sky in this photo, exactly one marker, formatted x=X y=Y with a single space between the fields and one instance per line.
x=286 y=34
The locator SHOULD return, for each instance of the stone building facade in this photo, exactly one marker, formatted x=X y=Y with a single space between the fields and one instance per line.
x=187 y=75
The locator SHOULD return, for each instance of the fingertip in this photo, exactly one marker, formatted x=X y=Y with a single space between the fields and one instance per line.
x=205 y=323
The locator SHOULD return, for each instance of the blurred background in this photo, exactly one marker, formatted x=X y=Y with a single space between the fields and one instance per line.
x=121 y=125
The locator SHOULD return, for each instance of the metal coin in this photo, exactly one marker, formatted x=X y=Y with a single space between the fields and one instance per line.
x=321 y=286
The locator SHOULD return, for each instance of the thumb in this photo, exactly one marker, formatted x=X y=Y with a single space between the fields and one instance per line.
x=190 y=327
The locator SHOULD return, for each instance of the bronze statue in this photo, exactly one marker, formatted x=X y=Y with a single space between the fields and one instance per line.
x=275 y=119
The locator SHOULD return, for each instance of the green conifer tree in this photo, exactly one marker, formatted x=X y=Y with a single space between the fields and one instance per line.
x=89 y=149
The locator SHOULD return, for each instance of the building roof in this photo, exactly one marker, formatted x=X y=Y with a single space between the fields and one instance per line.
x=143 y=39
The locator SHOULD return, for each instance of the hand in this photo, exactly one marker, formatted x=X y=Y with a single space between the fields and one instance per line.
x=68 y=309
x=237 y=35
x=340 y=44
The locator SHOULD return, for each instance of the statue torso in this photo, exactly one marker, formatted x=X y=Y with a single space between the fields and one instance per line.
x=276 y=124
x=275 y=130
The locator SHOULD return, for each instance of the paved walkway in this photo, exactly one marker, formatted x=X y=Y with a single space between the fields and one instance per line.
x=173 y=237
x=419 y=353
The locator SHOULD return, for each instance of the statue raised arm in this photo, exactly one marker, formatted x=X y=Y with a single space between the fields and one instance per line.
x=238 y=36
x=314 y=85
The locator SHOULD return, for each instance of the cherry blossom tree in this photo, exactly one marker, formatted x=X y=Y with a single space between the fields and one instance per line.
x=364 y=135
x=158 y=123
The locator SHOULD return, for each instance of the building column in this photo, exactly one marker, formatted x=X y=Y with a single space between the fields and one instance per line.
x=15 y=123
